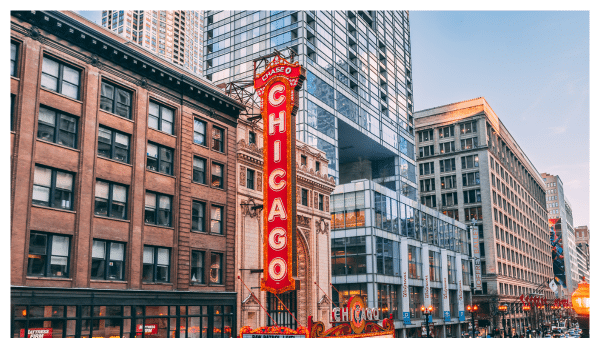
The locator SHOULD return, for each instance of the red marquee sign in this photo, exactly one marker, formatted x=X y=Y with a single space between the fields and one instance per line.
x=278 y=86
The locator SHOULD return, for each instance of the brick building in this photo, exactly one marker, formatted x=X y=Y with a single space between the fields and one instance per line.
x=314 y=187
x=123 y=188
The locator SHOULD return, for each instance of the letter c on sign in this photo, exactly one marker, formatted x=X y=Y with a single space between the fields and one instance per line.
x=278 y=88
x=277 y=269
x=277 y=238
x=277 y=186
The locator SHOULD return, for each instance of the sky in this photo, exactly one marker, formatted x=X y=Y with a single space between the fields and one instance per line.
x=531 y=67
x=533 y=70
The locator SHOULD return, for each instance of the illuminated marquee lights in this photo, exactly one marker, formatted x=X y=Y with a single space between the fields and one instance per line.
x=278 y=87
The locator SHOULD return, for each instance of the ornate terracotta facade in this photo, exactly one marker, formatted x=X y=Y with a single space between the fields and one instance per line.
x=312 y=235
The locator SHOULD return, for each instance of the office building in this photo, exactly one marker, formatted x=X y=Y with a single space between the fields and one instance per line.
x=175 y=35
x=313 y=188
x=116 y=229
x=472 y=169
x=582 y=240
x=558 y=206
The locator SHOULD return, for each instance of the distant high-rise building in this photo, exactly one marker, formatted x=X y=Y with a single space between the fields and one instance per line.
x=559 y=207
x=582 y=240
x=174 y=35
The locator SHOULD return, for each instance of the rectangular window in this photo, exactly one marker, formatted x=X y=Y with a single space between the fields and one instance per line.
x=426 y=135
x=251 y=137
x=470 y=179
x=14 y=57
x=451 y=270
x=435 y=266
x=426 y=151
x=156 y=264
x=60 y=78
x=216 y=220
x=302 y=160
x=321 y=202
x=197 y=272
x=108 y=260
x=317 y=166
x=200 y=132
x=446 y=147
x=468 y=143
x=250 y=179
x=348 y=256
x=110 y=200
x=471 y=196
x=216 y=268
x=469 y=162
x=469 y=127
x=451 y=213
x=198 y=211
x=57 y=127
x=13 y=111
x=414 y=262
x=415 y=301
x=159 y=159
x=426 y=168
x=158 y=209
x=52 y=188
x=448 y=182
x=449 y=199
x=48 y=255
x=218 y=136
x=465 y=271
x=446 y=131
x=160 y=118
x=447 y=165
x=199 y=170
x=428 y=184
x=304 y=193
x=429 y=201
x=217 y=175
x=115 y=100
x=113 y=144
x=473 y=213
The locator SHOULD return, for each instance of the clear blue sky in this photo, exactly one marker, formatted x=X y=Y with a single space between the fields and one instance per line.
x=533 y=70
x=531 y=67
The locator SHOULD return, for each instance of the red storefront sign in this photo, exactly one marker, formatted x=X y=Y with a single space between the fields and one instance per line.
x=149 y=329
x=45 y=332
x=278 y=87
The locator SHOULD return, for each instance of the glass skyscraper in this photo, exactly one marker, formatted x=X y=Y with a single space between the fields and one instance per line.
x=356 y=103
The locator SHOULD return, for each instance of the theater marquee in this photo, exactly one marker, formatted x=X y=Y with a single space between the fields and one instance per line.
x=278 y=86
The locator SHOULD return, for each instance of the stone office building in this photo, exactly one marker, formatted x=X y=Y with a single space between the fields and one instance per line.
x=314 y=187
x=123 y=188
x=473 y=170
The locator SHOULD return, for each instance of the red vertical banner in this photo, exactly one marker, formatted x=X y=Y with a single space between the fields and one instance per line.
x=278 y=86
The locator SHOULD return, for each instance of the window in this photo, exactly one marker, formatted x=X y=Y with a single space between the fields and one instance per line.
x=217 y=175
x=428 y=201
x=469 y=127
x=216 y=268
x=321 y=202
x=348 y=256
x=426 y=135
x=465 y=272
x=199 y=132
x=426 y=168
x=304 y=193
x=161 y=118
x=468 y=143
x=158 y=209
x=435 y=266
x=447 y=165
x=446 y=131
x=414 y=262
x=52 y=188
x=250 y=179
x=111 y=200
x=471 y=196
x=198 y=212
x=60 y=78
x=470 y=179
x=426 y=151
x=156 y=264
x=448 y=182
x=57 y=127
x=14 y=55
x=302 y=160
x=449 y=199
x=451 y=213
x=48 y=255
x=451 y=270
x=108 y=260
x=473 y=213
x=469 y=162
x=115 y=100
x=199 y=170
x=159 y=159
x=317 y=166
x=217 y=139
x=216 y=220
x=197 y=272
x=113 y=144
x=428 y=184
x=415 y=301
x=446 y=147
x=251 y=137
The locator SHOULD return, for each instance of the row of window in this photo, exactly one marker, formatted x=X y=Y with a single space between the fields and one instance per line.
x=448 y=131
x=54 y=188
x=467 y=162
x=449 y=182
x=49 y=256
x=448 y=147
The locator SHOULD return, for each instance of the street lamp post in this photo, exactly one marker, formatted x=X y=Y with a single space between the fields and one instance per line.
x=542 y=308
x=473 y=309
x=502 y=308
x=526 y=308
x=427 y=311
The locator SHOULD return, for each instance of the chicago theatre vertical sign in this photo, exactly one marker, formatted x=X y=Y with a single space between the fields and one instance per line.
x=278 y=86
